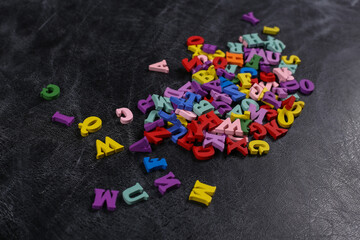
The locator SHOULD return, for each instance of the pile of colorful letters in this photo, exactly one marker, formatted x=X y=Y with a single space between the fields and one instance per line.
x=222 y=106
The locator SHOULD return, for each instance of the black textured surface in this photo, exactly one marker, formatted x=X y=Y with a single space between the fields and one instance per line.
x=307 y=187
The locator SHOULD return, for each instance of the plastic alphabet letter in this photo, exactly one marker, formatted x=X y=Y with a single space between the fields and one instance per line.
x=187 y=141
x=274 y=45
x=208 y=121
x=283 y=74
x=169 y=92
x=178 y=132
x=269 y=97
x=203 y=107
x=291 y=67
x=203 y=58
x=128 y=115
x=224 y=73
x=162 y=103
x=292 y=86
x=285 y=118
x=158 y=135
x=281 y=92
x=234 y=93
x=145 y=105
x=219 y=62
x=222 y=107
x=159 y=67
x=236 y=110
x=141 y=146
x=186 y=88
x=90 y=125
x=258 y=130
x=179 y=102
x=288 y=103
x=58 y=117
x=267 y=77
x=258 y=146
x=297 y=108
x=273 y=58
x=255 y=91
x=240 y=146
x=191 y=98
x=194 y=40
x=235 y=58
x=249 y=17
x=245 y=79
x=254 y=62
x=109 y=198
x=168 y=117
x=128 y=194
x=202 y=153
x=230 y=128
x=198 y=89
x=257 y=116
x=51 y=92
x=203 y=77
x=271 y=31
x=152 y=116
x=257 y=51
x=274 y=130
x=212 y=86
x=245 y=104
x=152 y=125
x=293 y=59
x=253 y=40
x=231 y=68
x=221 y=96
x=189 y=65
x=252 y=71
x=306 y=86
x=235 y=47
x=196 y=49
x=166 y=182
x=217 y=141
x=188 y=115
x=108 y=148
x=202 y=193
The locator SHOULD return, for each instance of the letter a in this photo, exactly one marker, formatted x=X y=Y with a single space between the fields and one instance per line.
x=159 y=67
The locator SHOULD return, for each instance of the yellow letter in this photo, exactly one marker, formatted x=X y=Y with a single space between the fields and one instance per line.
x=245 y=79
x=202 y=193
x=297 y=108
x=244 y=116
x=271 y=31
x=293 y=60
x=258 y=146
x=202 y=77
x=90 y=124
x=285 y=118
x=108 y=148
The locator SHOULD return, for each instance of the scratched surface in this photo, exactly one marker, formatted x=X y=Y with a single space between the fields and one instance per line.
x=307 y=187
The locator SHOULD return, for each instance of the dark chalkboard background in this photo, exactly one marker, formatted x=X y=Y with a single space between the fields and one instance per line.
x=98 y=52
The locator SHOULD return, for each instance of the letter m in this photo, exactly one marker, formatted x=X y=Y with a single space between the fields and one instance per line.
x=101 y=197
x=107 y=148
x=202 y=193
